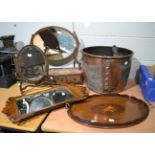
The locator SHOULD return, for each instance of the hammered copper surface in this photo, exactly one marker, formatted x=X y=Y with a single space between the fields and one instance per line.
x=106 y=68
x=109 y=111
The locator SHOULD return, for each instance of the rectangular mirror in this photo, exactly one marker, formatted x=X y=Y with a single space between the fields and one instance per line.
x=23 y=107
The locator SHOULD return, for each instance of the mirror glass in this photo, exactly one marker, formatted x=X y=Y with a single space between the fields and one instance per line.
x=43 y=100
x=57 y=43
x=31 y=63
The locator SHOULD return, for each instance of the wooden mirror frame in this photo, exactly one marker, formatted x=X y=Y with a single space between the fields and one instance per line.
x=45 y=80
x=12 y=111
x=67 y=59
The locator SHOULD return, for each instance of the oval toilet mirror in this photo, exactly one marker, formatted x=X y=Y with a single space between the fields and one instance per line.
x=59 y=45
x=31 y=64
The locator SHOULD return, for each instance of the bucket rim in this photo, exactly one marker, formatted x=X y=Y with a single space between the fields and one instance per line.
x=107 y=57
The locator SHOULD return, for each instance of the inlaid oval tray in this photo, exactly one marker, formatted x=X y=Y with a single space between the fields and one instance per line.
x=109 y=111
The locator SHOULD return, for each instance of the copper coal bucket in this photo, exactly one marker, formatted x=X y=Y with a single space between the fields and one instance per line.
x=106 y=68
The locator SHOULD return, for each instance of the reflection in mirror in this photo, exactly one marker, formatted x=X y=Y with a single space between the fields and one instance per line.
x=43 y=100
x=58 y=43
x=31 y=63
x=22 y=107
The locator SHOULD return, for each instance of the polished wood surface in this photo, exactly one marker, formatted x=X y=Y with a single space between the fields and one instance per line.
x=30 y=125
x=109 y=111
x=59 y=121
